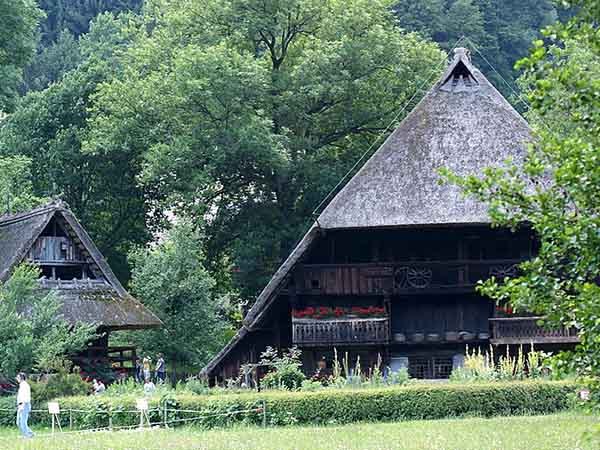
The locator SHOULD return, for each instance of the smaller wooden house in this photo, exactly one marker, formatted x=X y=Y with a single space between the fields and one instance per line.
x=71 y=265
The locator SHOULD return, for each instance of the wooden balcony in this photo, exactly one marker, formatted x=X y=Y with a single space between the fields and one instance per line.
x=55 y=250
x=526 y=330
x=120 y=358
x=312 y=332
x=74 y=284
x=398 y=278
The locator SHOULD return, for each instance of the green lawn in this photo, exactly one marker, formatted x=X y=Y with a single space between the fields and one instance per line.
x=556 y=432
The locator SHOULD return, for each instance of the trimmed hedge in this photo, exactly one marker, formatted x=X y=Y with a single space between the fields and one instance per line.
x=418 y=401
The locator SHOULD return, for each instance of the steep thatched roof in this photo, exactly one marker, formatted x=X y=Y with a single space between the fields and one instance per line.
x=104 y=303
x=463 y=123
x=18 y=233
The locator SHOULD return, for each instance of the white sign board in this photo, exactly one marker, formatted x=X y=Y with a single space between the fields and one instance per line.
x=141 y=404
x=53 y=408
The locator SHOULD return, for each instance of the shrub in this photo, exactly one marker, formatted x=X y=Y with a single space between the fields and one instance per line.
x=284 y=371
x=484 y=366
x=61 y=384
x=195 y=385
x=288 y=377
x=326 y=406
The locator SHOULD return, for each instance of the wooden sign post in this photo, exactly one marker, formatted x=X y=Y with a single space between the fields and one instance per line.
x=54 y=411
x=142 y=407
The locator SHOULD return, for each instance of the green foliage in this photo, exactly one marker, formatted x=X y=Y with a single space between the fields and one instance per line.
x=170 y=278
x=33 y=334
x=335 y=406
x=485 y=366
x=555 y=190
x=249 y=113
x=284 y=370
x=502 y=31
x=60 y=384
x=74 y=16
x=52 y=63
x=16 y=188
x=18 y=23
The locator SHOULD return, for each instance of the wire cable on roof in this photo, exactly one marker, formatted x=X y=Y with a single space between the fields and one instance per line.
x=512 y=89
x=426 y=82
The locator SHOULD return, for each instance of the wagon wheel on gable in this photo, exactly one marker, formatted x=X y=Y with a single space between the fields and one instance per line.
x=419 y=278
x=503 y=271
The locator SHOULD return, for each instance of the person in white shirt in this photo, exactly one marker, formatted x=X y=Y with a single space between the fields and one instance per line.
x=98 y=386
x=149 y=387
x=23 y=405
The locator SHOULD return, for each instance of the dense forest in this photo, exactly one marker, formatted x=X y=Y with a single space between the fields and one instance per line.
x=235 y=117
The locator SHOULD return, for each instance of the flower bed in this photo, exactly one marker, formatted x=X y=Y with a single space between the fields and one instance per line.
x=327 y=312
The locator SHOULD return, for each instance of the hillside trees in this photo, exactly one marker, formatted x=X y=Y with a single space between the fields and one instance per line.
x=74 y=16
x=18 y=24
x=557 y=189
x=503 y=31
x=244 y=113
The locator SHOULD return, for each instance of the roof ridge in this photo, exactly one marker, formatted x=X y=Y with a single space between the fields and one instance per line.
x=7 y=219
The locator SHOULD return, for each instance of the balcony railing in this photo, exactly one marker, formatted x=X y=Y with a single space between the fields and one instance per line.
x=55 y=249
x=526 y=330
x=75 y=284
x=400 y=277
x=311 y=332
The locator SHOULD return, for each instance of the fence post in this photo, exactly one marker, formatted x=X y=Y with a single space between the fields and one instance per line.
x=110 y=421
x=264 y=411
x=165 y=415
x=70 y=419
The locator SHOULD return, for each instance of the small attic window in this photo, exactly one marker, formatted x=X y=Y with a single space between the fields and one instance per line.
x=460 y=79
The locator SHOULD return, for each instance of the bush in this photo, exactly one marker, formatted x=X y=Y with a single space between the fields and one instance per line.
x=327 y=406
x=289 y=377
x=61 y=384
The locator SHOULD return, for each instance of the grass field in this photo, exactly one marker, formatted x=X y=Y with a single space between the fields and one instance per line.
x=554 y=432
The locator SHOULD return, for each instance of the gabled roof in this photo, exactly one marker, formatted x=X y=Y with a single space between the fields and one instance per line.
x=18 y=232
x=464 y=124
x=107 y=304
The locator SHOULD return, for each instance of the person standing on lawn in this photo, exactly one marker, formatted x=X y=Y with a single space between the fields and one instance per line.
x=23 y=405
x=160 y=369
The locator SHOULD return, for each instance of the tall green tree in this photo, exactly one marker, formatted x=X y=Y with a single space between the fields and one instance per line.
x=33 y=334
x=556 y=189
x=245 y=113
x=18 y=40
x=171 y=279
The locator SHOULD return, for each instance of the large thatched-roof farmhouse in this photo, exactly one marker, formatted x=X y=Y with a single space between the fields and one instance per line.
x=390 y=266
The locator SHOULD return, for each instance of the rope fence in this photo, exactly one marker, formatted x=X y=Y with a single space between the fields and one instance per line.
x=141 y=413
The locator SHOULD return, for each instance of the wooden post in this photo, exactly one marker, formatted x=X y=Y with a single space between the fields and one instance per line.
x=70 y=419
x=165 y=414
x=110 y=423
x=264 y=412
